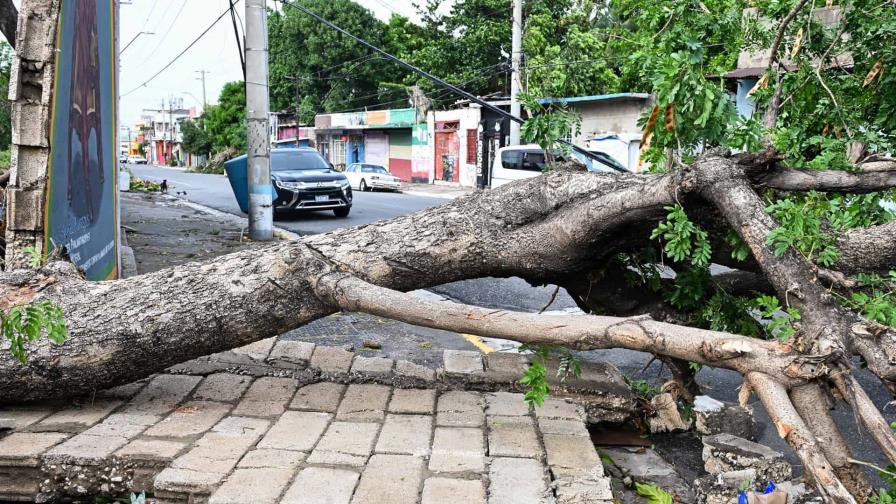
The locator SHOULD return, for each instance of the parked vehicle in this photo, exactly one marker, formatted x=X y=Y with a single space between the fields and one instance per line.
x=525 y=161
x=367 y=177
x=136 y=160
x=122 y=158
x=304 y=180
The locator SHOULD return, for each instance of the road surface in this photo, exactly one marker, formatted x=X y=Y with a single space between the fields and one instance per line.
x=214 y=191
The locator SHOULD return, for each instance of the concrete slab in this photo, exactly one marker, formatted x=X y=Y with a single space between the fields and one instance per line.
x=457 y=450
x=316 y=485
x=390 y=478
x=323 y=396
x=405 y=435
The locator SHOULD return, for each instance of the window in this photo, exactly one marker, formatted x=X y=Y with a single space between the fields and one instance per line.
x=472 y=144
x=510 y=159
x=338 y=151
x=529 y=160
x=373 y=169
x=288 y=159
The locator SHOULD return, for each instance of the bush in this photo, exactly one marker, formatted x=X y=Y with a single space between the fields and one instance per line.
x=5 y=160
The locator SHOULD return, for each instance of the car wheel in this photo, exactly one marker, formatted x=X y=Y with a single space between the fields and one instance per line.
x=363 y=185
x=342 y=211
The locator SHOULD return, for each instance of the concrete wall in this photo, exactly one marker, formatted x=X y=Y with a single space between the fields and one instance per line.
x=618 y=116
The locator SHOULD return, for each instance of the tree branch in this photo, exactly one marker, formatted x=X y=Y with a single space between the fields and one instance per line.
x=793 y=179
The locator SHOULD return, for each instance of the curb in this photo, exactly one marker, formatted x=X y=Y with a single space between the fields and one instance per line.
x=280 y=233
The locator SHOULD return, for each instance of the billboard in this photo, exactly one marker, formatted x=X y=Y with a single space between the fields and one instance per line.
x=82 y=209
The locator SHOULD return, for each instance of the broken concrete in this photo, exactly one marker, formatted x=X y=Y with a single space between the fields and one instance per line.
x=724 y=453
x=717 y=417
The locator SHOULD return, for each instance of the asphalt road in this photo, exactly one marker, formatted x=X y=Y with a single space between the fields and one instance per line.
x=214 y=191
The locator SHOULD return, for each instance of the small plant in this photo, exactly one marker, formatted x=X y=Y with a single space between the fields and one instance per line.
x=36 y=258
x=782 y=322
x=683 y=239
x=143 y=185
x=536 y=376
x=21 y=324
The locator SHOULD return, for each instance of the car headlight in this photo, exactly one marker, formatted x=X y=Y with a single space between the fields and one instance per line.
x=375 y=177
x=344 y=183
x=291 y=185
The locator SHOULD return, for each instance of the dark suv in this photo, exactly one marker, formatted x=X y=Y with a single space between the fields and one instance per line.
x=304 y=180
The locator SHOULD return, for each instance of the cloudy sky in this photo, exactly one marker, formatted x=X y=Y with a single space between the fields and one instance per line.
x=174 y=24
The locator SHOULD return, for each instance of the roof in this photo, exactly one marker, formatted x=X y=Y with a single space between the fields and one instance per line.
x=595 y=98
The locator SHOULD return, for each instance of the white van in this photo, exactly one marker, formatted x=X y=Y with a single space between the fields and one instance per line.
x=525 y=161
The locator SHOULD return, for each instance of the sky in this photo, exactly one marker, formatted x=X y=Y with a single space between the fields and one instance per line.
x=174 y=24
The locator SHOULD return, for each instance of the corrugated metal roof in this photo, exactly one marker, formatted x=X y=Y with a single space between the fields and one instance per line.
x=595 y=98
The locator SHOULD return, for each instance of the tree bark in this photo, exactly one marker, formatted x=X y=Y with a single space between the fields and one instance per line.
x=549 y=229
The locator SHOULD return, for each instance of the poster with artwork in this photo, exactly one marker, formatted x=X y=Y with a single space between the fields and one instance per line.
x=81 y=210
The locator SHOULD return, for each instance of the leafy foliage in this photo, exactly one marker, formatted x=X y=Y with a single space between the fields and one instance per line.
x=683 y=239
x=21 y=324
x=548 y=124
x=535 y=378
x=225 y=123
x=653 y=494
x=195 y=138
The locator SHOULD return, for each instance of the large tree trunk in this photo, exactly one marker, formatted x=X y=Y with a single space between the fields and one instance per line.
x=554 y=228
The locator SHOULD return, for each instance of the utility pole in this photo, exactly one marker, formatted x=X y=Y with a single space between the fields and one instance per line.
x=261 y=215
x=515 y=57
x=201 y=77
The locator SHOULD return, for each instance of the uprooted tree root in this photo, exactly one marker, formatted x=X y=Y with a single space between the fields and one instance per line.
x=550 y=229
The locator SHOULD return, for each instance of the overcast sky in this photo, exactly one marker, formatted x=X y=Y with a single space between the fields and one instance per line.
x=175 y=23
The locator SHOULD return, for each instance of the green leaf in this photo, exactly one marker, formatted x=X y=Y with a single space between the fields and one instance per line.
x=653 y=494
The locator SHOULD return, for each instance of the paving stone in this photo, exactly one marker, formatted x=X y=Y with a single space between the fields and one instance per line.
x=24 y=448
x=460 y=409
x=517 y=481
x=191 y=419
x=364 y=402
x=241 y=426
x=345 y=443
x=79 y=417
x=323 y=396
x=560 y=408
x=569 y=452
x=163 y=394
x=512 y=436
x=331 y=360
x=441 y=490
x=267 y=397
x=259 y=486
x=85 y=449
x=126 y=424
x=291 y=354
x=462 y=362
x=186 y=481
x=378 y=367
x=123 y=392
x=26 y=415
x=296 y=430
x=415 y=372
x=506 y=404
x=257 y=351
x=151 y=449
x=505 y=367
x=578 y=489
x=405 y=435
x=457 y=450
x=413 y=401
x=393 y=479
x=265 y=457
x=563 y=427
x=319 y=485
x=222 y=387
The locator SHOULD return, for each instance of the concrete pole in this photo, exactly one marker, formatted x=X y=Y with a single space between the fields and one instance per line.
x=261 y=215
x=515 y=57
x=202 y=78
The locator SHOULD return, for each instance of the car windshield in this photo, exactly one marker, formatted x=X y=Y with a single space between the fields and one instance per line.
x=297 y=160
x=369 y=168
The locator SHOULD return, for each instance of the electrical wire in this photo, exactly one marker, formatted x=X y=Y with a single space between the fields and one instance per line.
x=170 y=26
x=197 y=39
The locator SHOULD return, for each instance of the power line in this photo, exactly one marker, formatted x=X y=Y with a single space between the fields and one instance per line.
x=197 y=39
x=170 y=26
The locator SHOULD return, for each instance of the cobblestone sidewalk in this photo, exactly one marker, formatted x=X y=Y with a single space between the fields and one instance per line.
x=298 y=423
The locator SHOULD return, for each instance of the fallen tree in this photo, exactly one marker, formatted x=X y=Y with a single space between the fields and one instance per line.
x=562 y=227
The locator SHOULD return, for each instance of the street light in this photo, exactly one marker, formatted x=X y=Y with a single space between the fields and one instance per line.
x=133 y=39
x=194 y=98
